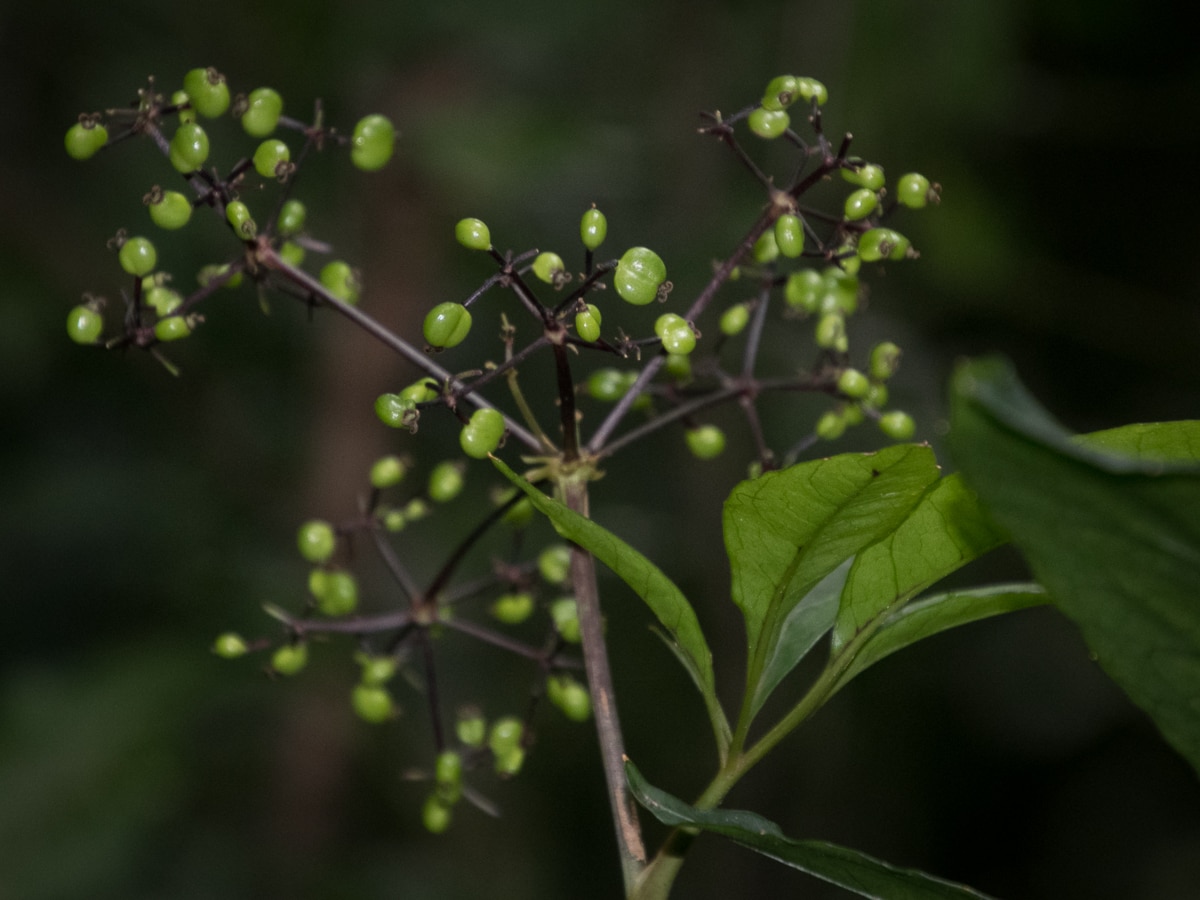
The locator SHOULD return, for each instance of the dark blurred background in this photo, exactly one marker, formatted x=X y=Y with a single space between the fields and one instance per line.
x=142 y=514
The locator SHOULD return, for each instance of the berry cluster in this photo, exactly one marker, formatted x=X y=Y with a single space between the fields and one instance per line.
x=807 y=257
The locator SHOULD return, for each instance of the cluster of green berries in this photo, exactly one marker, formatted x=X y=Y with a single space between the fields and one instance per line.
x=770 y=118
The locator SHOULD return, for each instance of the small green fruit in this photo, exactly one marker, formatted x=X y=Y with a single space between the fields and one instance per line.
x=593 y=228
x=316 y=540
x=372 y=703
x=447 y=325
x=473 y=234
x=639 y=275
x=290 y=659
x=897 y=425
x=230 y=645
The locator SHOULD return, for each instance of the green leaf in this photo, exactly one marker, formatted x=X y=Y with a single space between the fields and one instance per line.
x=787 y=530
x=665 y=600
x=1110 y=526
x=944 y=531
x=930 y=615
x=849 y=869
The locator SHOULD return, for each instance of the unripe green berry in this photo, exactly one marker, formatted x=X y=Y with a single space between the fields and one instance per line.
x=137 y=256
x=394 y=411
x=841 y=291
x=84 y=139
x=436 y=816
x=706 y=442
x=554 y=563
x=189 y=148
x=570 y=696
x=675 y=333
x=207 y=91
x=830 y=426
x=84 y=324
x=376 y=670
x=831 y=332
x=372 y=703
x=415 y=509
x=482 y=434
x=471 y=728
x=885 y=360
x=509 y=764
x=292 y=253
x=608 y=385
x=897 y=425
x=172 y=328
x=473 y=234
x=290 y=659
x=803 y=290
x=372 y=143
x=170 y=209
x=860 y=204
x=505 y=735
x=272 y=159
x=386 y=472
x=853 y=384
x=765 y=249
x=187 y=113
x=882 y=243
x=587 y=323
x=593 y=228
x=263 y=108
x=565 y=614
x=780 y=93
x=769 y=123
x=513 y=608
x=447 y=325
x=734 y=319
x=341 y=281
x=162 y=300
x=316 y=540
x=291 y=218
x=679 y=367
x=912 y=190
x=811 y=89
x=445 y=482
x=421 y=391
x=877 y=396
x=639 y=275
x=867 y=175
x=393 y=520
x=789 y=235
x=549 y=267
x=230 y=645
x=238 y=215
x=335 y=590
x=447 y=775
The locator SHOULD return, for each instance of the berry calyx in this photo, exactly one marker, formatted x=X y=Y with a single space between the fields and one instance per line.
x=481 y=435
x=263 y=109
x=138 y=256
x=84 y=324
x=639 y=276
x=706 y=441
x=372 y=142
x=85 y=138
x=189 y=148
x=447 y=325
x=473 y=234
x=207 y=92
x=316 y=540
x=593 y=228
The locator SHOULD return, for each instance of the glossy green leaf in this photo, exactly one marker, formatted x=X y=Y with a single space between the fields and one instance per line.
x=665 y=600
x=1110 y=526
x=930 y=615
x=944 y=531
x=787 y=530
x=849 y=869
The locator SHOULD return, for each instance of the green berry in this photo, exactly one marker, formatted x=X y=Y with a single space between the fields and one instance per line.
x=263 y=108
x=885 y=360
x=394 y=411
x=393 y=520
x=881 y=243
x=675 y=333
x=765 y=249
x=291 y=218
x=513 y=608
x=509 y=764
x=436 y=816
x=554 y=563
x=565 y=614
x=172 y=328
x=316 y=540
x=830 y=426
x=734 y=319
x=341 y=281
x=841 y=291
x=860 y=204
x=291 y=253
x=415 y=509
x=877 y=396
x=866 y=175
x=447 y=775
x=208 y=92
x=769 y=123
x=447 y=325
x=208 y=273
x=804 y=290
x=482 y=434
x=811 y=89
x=706 y=442
x=376 y=670
x=84 y=324
x=84 y=139
x=473 y=234
x=789 y=235
x=913 y=191
x=831 y=332
x=780 y=93
x=639 y=275
x=549 y=267
x=189 y=148
x=162 y=300
x=138 y=256
x=290 y=659
x=238 y=215
x=853 y=384
x=852 y=415
x=421 y=391
x=471 y=727
x=445 y=482
x=386 y=472
x=372 y=703
x=593 y=228
x=505 y=735
x=272 y=159
x=897 y=425
x=587 y=323
x=570 y=696
x=230 y=646
x=372 y=142
x=336 y=591
x=608 y=385
x=170 y=209
x=679 y=367
x=187 y=112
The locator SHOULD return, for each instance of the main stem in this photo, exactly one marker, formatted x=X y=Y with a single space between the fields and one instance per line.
x=604 y=700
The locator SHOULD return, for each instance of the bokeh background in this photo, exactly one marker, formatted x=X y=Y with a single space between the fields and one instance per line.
x=142 y=514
